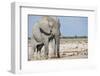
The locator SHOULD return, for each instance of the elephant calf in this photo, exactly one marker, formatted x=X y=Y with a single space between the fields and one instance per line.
x=44 y=31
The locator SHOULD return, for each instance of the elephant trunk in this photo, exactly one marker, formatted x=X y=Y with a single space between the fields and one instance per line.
x=57 y=46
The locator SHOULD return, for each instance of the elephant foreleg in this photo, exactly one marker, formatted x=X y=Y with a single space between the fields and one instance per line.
x=46 y=49
x=54 y=47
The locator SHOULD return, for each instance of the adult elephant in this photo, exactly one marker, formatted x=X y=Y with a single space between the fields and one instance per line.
x=45 y=30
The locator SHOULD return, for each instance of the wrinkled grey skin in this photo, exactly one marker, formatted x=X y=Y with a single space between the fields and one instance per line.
x=45 y=30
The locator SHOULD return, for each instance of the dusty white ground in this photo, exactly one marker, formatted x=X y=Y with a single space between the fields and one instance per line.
x=69 y=49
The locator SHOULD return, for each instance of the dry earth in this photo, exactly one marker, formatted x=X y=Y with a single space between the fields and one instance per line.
x=70 y=48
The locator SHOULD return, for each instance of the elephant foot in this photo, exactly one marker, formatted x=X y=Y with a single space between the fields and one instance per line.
x=46 y=57
x=58 y=55
x=29 y=59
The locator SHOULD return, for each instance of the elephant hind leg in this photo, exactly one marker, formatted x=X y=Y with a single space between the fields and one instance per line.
x=31 y=52
x=46 y=50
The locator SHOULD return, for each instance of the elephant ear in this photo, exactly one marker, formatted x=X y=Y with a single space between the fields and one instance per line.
x=44 y=26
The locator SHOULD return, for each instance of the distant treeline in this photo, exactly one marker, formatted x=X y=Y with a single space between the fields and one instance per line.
x=65 y=37
x=68 y=37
